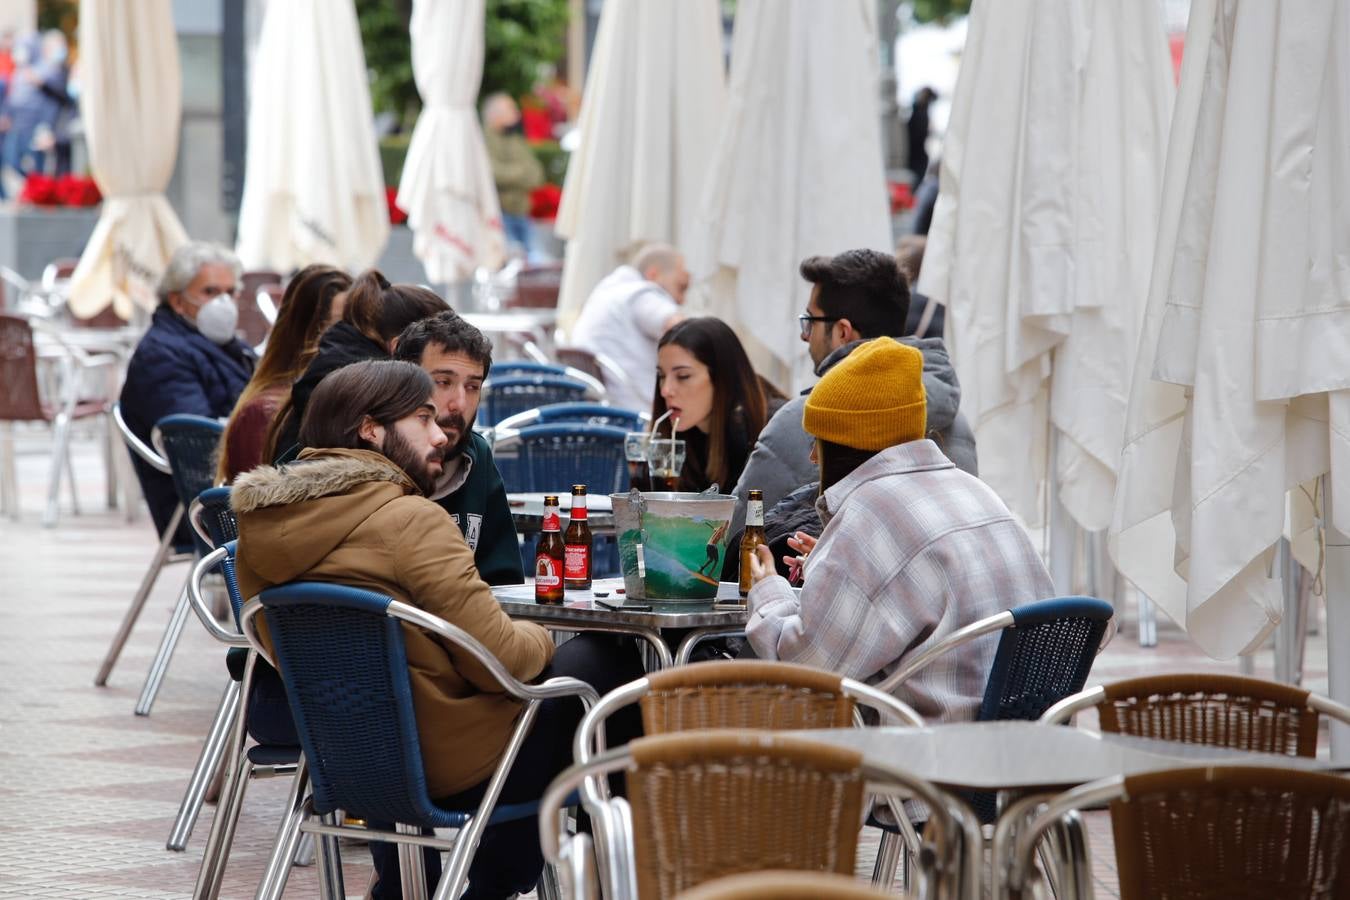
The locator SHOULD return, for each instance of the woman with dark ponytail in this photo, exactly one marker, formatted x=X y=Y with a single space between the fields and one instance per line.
x=375 y=314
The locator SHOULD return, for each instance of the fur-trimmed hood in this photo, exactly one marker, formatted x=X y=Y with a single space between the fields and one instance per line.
x=292 y=516
x=316 y=473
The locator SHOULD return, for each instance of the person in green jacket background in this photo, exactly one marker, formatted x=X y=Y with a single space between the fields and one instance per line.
x=515 y=168
x=457 y=357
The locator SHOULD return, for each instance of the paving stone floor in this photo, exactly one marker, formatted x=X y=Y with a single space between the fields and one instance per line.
x=88 y=791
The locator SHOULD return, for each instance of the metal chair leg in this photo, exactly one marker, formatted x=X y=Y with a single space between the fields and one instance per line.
x=70 y=480
x=306 y=852
x=9 y=481
x=217 y=853
x=329 y=859
x=213 y=748
x=138 y=602
x=60 y=436
x=109 y=462
x=549 y=887
x=160 y=664
x=1148 y=621
x=889 y=852
x=412 y=873
x=278 y=868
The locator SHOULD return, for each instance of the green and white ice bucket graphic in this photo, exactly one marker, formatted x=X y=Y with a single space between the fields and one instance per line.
x=682 y=541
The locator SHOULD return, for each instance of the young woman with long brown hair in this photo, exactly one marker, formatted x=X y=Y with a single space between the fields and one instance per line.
x=312 y=302
x=706 y=382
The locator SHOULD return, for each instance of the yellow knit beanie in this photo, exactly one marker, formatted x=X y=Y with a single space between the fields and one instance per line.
x=870 y=400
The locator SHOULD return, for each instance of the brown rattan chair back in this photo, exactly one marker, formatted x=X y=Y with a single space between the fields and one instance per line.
x=1235 y=833
x=744 y=694
x=714 y=803
x=584 y=360
x=1217 y=710
x=252 y=323
x=20 y=400
x=781 y=885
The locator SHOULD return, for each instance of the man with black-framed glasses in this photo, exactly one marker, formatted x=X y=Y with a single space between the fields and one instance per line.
x=856 y=296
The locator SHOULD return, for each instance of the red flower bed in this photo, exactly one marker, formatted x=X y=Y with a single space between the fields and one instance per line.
x=902 y=197
x=396 y=214
x=544 y=201
x=67 y=190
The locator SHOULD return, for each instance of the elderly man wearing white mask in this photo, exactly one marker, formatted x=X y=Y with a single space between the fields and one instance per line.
x=190 y=361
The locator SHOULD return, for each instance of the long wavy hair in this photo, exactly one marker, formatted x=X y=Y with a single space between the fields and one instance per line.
x=306 y=307
x=739 y=407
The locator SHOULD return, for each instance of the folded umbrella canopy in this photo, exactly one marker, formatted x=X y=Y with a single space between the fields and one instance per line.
x=797 y=169
x=131 y=103
x=447 y=187
x=1043 y=235
x=1242 y=385
x=650 y=116
x=313 y=187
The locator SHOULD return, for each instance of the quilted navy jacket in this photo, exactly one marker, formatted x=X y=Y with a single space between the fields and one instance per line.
x=177 y=370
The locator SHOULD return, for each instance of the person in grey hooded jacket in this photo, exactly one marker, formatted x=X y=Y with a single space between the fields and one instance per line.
x=857 y=295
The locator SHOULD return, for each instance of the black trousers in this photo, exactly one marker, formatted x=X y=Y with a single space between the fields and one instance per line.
x=509 y=858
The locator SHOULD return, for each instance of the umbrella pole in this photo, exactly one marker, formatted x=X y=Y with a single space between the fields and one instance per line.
x=1063 y=532
x=1335 y=591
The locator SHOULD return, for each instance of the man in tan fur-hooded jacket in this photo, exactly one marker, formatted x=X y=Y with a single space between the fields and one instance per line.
x=352 y=510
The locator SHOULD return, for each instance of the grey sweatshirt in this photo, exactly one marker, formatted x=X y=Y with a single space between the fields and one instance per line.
x=781 y=460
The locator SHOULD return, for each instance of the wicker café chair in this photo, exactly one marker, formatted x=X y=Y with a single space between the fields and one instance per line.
x=741 y=694
x=780 y=884
x=710 y=803
x=1227 y=833
x=1216 y=710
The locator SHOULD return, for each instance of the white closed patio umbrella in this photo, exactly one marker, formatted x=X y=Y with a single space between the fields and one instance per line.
x=1043 y=234
x=130 y=102
x=313 y=186
x=1242 y=386
x=797 y=171
x=447 y=187
x=650 y=115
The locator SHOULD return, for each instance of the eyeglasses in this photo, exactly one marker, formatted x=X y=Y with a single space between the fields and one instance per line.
x=805 y=322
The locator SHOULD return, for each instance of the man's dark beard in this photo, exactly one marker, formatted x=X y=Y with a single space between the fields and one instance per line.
x=401 y=453
x=465 y=429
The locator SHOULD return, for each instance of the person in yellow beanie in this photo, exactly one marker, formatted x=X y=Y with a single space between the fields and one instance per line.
x=913 y=548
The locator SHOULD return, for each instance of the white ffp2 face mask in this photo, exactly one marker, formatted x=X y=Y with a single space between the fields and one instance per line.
x=217 y=319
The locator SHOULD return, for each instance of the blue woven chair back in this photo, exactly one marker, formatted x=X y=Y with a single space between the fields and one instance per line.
x=216 y=515
x=555 y=457
x=590 y=414
x=504 y=397
x=343 y=662
x=190 y=444
x=513 y=368
x=231 y=582
x=1043 y=657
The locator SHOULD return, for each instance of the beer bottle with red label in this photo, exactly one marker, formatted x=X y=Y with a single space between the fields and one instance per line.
x=577 y=544
x=548 y=559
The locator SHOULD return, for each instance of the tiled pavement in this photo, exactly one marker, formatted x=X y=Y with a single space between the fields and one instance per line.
x=88 y=791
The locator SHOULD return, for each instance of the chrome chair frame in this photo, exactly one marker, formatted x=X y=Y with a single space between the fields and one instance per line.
x=888 y=854
x=163 y=554
x=297 y=820
x=213 y=747
x=1070 y=706
x=74 y=363
x=168 y=642
x=952 y=871
x=590 y=741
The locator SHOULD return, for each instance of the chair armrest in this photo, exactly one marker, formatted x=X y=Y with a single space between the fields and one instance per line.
x=885 y=704
x=987 y=625
x=199 y=606
x=1066 y=709
x=138 y=446
x=552 y=688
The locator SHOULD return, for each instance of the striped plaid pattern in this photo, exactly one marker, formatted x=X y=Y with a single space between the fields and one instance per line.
x=913 y=549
